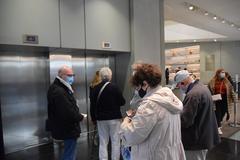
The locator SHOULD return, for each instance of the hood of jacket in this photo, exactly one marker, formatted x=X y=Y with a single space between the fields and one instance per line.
x=165 y=98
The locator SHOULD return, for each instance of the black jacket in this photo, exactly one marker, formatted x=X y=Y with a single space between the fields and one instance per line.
x=198 y=121
x=108 y=106
x=63 y=112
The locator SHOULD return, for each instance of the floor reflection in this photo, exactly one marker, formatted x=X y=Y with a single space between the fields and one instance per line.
x=228 y=149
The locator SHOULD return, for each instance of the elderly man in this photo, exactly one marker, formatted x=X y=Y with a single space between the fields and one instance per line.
x=63 y=112
x=198 y=122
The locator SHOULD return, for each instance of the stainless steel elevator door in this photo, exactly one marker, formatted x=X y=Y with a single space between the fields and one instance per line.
x=23 y=82
x=84 y=68
x=93 y=64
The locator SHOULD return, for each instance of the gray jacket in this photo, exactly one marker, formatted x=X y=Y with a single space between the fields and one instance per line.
x=198 y=121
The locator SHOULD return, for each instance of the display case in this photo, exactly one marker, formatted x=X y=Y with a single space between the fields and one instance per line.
x=183 y=58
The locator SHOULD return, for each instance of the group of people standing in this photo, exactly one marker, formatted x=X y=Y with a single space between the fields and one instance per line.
x=160 y=127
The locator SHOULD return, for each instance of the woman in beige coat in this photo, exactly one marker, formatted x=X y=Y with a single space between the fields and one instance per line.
x=154 y=132
x=219 y=84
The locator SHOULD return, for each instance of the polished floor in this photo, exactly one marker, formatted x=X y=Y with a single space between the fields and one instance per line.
x=52 y=151
x=228 y=150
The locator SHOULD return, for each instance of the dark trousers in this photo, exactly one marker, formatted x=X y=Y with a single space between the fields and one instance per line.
x=167 y=80
x=221 y=109
x=69 y=149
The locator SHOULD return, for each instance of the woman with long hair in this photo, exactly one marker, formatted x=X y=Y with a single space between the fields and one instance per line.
x=95 y=81
x=219 y=84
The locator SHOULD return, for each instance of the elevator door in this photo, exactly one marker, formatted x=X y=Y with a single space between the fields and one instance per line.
x=23 y=82
x=93 y=64
x=84 y=68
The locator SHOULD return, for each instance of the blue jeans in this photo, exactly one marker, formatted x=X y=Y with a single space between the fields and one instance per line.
x=69 y=149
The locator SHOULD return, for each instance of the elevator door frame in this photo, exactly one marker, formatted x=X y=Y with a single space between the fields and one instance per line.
x=2 y=153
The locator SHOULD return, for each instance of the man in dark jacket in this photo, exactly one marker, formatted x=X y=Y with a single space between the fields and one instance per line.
x=106 y=111
x=198 y=122
x=63 y=112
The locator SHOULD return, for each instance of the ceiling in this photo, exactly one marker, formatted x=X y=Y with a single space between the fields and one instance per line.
x=184 y=25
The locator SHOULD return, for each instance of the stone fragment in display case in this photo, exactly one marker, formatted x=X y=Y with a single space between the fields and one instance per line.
x=185 y=57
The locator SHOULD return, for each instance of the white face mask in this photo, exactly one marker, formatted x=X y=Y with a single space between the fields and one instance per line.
x=184 y=88
x=222 y=75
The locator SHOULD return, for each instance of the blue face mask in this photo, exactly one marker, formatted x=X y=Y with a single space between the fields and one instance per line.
x=70 y=80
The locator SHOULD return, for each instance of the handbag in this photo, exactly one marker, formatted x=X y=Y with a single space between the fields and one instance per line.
x=100 y=92
x=126 y=153
x=95 y=134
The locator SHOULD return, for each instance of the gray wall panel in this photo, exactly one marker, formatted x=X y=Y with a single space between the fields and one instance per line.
x=29 y=17
x=72 y=23
x=146 y=31
x=108 y=20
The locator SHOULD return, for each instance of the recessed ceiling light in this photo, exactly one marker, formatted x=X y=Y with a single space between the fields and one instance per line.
x=215 y=40
x=191 y=7
x=194 y=40
x=202 y=11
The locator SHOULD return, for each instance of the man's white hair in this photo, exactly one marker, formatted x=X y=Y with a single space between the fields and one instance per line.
x=105 y=73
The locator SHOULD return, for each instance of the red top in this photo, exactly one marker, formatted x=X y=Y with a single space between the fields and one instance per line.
x=220 y=87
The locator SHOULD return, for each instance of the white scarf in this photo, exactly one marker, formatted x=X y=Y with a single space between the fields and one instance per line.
x=65 y=83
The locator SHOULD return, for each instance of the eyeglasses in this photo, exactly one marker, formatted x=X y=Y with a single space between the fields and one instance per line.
x=180 y=84
x=70 y=75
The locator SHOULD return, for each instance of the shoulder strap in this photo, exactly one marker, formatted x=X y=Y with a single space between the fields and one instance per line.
x=100 y=92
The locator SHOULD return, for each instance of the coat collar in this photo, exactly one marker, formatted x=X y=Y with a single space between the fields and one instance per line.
x=65 y=84
x=191 y=85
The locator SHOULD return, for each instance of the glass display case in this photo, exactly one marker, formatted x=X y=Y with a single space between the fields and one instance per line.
x=183 y=58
